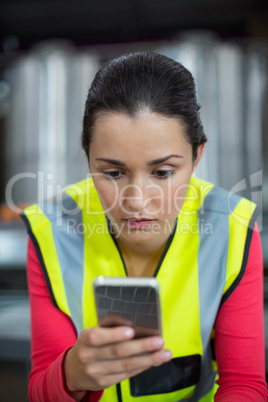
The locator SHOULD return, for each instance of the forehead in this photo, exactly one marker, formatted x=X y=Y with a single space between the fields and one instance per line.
x=147 y=132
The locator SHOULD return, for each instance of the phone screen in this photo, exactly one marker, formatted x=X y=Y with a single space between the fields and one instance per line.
x=136 y=306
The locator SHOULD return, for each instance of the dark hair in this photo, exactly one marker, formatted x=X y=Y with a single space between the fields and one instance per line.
x=135 y=82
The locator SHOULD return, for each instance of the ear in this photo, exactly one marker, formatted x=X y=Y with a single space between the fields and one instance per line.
x=200 y=151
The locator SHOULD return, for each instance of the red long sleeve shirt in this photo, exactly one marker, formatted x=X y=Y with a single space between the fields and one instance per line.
x=239 y=338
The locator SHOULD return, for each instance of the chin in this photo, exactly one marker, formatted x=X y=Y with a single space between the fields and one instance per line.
x=139 y=238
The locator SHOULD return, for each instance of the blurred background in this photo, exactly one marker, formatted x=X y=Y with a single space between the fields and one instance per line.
x=50 y=52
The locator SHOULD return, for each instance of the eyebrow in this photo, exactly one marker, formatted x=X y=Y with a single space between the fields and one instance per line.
x=161 y=160
x=151 y=163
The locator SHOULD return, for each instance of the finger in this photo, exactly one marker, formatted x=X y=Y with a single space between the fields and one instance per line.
x=129 y=364
x=99 y=336
x=128 y=348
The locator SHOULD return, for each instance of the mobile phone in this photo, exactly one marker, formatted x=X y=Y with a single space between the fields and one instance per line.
x=128 y=301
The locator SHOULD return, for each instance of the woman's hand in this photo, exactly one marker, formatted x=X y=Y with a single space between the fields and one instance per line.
x=102 y=357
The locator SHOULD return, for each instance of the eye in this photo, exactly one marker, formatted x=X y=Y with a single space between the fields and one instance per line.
x=163 y=174
x=113 y=174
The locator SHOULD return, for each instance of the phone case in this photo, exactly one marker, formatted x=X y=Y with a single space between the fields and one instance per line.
x=129 y=301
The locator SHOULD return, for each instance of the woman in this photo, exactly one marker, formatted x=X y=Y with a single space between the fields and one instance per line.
x=143 y=214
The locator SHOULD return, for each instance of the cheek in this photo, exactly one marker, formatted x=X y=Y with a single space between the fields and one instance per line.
x=108 y=194
x=175 y=198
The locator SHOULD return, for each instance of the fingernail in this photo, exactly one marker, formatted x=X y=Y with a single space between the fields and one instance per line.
x=158 y=342
x=129 y=333
x=166 y=355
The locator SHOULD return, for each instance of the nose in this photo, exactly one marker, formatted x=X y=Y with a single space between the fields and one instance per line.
x=134 y=197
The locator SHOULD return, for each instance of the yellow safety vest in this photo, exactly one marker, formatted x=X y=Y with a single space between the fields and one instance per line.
x=202 y=264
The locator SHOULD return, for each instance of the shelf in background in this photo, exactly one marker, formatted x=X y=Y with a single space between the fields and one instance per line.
x=13 y=246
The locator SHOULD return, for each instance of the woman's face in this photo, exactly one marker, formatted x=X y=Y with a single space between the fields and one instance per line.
x=141 y=169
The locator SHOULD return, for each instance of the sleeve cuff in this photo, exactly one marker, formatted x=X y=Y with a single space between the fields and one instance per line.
x=90 y=396
x=50 y=385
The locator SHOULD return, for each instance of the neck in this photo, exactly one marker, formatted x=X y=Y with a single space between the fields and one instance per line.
x=141 y=259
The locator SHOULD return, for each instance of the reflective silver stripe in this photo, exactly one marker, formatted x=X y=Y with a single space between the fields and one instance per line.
x=212 y=278
x=220 y=200
x=69 y=244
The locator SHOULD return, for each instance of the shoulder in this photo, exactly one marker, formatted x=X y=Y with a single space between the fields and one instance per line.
x=206 y=197
x=72 y=202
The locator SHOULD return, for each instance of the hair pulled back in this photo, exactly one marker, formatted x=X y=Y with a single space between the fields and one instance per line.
x=141 y=81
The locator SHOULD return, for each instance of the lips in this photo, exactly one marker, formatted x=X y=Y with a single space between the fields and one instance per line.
x=139 y=222
x=139 y=219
